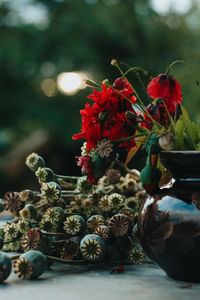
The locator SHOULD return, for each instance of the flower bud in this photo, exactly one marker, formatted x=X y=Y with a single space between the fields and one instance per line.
x=113 y=62
x=167 y=141
x=106 y=82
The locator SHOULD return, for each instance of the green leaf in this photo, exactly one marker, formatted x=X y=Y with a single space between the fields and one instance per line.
x=186 y=134
x=179 y=135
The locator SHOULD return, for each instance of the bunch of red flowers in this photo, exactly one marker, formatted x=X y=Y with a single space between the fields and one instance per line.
x=106 y=118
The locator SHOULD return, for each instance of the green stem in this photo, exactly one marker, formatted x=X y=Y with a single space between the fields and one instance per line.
x=187 y=65
x=70 y=192
x=67 y=177
x=53 y=233
x=142 y=107
x=170 y=118
x=129 y=138
x=41 y=205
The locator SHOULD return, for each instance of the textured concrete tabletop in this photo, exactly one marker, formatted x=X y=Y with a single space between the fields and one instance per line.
x=88 y=282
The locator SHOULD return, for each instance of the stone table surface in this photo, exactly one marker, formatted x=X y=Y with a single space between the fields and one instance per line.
x=88 y=282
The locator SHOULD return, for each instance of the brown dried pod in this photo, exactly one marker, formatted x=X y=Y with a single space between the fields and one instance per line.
x=71 y=248
x=94 y=222
x=102 y=231
x=120 y=225
x=113 y=175
x=12 y=201
x=32 y=239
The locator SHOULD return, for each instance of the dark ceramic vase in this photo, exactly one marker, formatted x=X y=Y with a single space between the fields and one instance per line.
x=169 y=223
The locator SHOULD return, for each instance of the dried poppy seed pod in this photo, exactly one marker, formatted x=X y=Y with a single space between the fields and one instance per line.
x=136 y=255
x=94 y=222
x=103 y=232
x=92 y=247
x=50 y=191
x=167 y=141
x=71 y=248
x=34 y=161
x=84 y=185
x=26 y=195
x=120 y=225
x=1 y=205
x=128 y=212
x=74 y=225
x=5 y=266
x=115 y=200
x=45 y=175
x=32 y=239
x=55 y=215
x=30 y=265
x=12 y=202
x=33 y=210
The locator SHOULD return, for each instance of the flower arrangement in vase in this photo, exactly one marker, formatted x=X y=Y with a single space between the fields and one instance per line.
x=169 y=223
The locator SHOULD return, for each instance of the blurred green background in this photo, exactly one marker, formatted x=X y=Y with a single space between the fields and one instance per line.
x=42 y=39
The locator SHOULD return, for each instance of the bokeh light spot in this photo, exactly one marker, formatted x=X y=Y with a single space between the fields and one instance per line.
x=48 y=86
x=70 y=82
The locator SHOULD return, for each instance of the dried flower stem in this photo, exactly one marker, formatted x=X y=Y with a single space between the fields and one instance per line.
x=64 y=261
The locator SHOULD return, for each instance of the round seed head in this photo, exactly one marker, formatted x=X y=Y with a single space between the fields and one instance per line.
x=23 y=268
x=113 y=176
x=104 y=204
x=74 y=225
x=26 y=195
x=102 y=231
x=120 y=225
x=128 y=212
x=50 y=192
x=94 y=222
x=71 y=249
x=115 y=200
x=34 y=161
x=92 y=247
x=32 y=239
x=12 y=202
x=136 y=255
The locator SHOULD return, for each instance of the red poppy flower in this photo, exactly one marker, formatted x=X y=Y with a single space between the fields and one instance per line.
x=114 y=125
x=158 y=113
x=86 y=163
x=118 y=127
x=125 y=88
x=165 y=87
x=91 y=127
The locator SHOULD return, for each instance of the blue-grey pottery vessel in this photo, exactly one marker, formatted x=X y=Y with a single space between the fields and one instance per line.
x=169 y=222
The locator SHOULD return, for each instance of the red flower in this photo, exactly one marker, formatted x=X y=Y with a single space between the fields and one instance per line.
x=165 y=87
x=91 y=127
x=125 y=88
x=106 y=99
x=158 y=113
x=114 y=125
x=86 y=163
x=118 y=127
